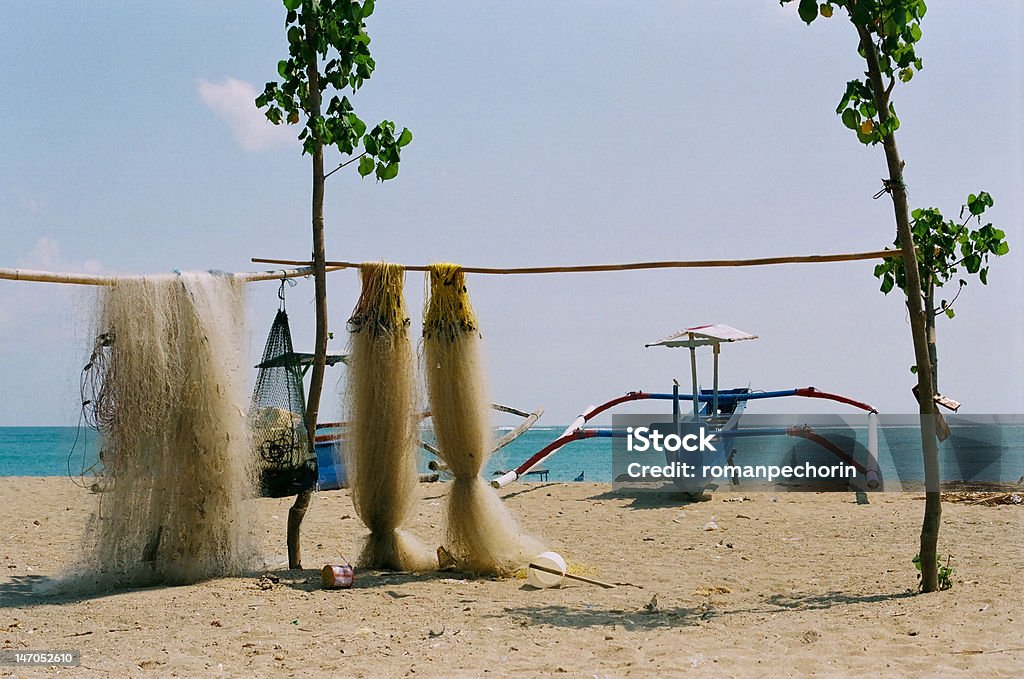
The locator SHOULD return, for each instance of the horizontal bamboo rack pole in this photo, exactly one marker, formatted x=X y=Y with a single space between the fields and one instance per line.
x=304 y=268
x=98 y=279
x=631 y=266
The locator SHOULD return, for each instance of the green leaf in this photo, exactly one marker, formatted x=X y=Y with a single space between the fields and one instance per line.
x=887 y=284
x=949 y=312
x=390 y=171
x=913 y=369
x=851 y=119
x=282 y=68
x=1002 y=249
x=808 y=10
x=292 y=5
x=366 y=166
x=983 y=275
x=405 y=137
x=367 y=8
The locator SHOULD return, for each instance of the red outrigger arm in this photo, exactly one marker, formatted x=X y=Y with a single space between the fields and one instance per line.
x=573 y=432
x=806 y=432
x=811 y=392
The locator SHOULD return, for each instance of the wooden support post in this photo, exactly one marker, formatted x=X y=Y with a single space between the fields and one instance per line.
x=714 y=395
x=693 y=374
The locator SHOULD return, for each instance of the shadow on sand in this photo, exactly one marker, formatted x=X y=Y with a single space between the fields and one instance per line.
x=590 y=616
x=308 y=580
x=523 y=489
x=649 y=500
x=814 y=602
x=39 y=590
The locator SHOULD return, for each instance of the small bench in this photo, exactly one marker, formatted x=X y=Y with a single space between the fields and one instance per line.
x=540 y=472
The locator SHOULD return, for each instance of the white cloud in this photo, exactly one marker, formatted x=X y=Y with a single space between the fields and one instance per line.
x=45 y=255
x=233 y=102
x=28 y=306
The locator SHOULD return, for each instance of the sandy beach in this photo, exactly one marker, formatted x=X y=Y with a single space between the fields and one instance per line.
x=802 y=584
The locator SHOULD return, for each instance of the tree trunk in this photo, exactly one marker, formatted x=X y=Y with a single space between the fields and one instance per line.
x=918 y=326
x=316 y=380
x=933 y=351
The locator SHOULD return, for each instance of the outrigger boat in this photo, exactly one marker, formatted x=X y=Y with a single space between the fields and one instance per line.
x=716 y=410
x=330 y=440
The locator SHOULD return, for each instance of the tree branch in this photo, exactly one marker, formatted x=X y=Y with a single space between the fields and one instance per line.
x=347 y=162
x=949 y=305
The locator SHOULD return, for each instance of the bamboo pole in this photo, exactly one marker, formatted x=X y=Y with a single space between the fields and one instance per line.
x=73 y=278
x=304 y=268
x=631 y=266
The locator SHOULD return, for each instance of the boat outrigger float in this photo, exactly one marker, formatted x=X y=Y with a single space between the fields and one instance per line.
x=718 y=410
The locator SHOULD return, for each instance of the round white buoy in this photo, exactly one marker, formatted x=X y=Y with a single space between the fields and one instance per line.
x=548 y=561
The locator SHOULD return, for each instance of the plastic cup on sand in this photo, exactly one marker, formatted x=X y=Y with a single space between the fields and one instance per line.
x=542 y=579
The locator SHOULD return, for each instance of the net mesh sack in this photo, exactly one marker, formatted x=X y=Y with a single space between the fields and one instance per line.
x=286 y=463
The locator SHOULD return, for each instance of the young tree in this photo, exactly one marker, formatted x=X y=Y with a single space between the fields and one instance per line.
x=944 y=246
x=328 y=49
x=887 y=31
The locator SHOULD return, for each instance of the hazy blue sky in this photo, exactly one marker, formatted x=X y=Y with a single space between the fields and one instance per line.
x=545 y=133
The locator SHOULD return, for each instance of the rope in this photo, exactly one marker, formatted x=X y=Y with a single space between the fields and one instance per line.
x=632 y=266
x=888 y=186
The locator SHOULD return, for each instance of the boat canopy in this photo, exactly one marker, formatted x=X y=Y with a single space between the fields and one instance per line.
x=703 y=336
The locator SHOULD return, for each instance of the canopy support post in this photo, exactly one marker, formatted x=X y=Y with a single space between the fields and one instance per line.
x=714 y=394
x=693 y=374
x=675 y=408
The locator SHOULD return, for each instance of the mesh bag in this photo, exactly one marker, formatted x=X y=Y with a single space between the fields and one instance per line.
x=285 y=463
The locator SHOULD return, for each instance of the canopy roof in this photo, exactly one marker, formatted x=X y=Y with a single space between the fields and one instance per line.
x=702 y=336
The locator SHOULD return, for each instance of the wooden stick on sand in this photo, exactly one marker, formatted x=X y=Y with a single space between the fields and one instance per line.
x=555 y=571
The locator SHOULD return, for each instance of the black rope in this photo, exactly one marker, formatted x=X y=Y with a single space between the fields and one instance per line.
x=281 y=290
x=888 y=185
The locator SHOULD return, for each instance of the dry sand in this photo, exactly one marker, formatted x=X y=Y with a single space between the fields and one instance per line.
x=806 y=584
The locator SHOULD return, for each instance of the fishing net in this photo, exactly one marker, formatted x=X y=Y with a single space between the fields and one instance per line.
x=167 y=393
x=381 y=448
x=482 y=535
x=286 y=463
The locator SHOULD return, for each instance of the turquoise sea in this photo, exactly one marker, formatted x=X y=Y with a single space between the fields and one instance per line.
x=52 y=451
x=993 y=452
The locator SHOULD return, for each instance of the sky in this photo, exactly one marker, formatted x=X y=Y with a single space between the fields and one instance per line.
x=555 y=132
